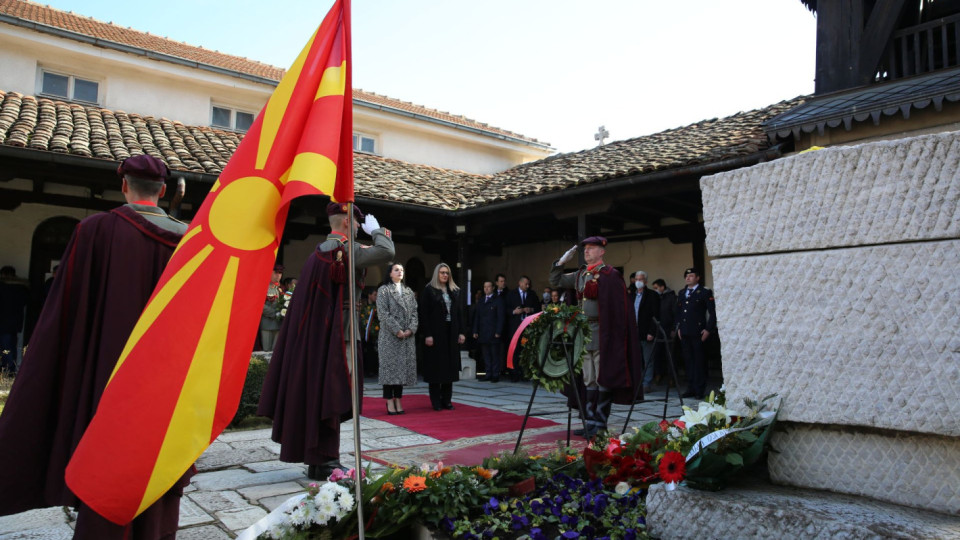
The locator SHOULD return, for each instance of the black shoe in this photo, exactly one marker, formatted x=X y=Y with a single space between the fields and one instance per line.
x=579 y=432
x=449 y=406
x=323 y=472
x=483 y=379
x=392 y=413
x=437 y=408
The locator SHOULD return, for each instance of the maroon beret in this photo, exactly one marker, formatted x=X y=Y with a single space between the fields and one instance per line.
x=596 y=240
x=144 y=166
x=341 y=208
x=278 y=268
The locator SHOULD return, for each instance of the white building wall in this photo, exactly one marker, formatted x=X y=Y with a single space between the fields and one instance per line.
x=18 y=227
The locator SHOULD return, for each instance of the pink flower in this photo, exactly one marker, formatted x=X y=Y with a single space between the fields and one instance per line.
x=337 y=475
x=679 y=423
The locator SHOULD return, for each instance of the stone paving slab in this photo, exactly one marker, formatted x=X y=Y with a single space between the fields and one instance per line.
x=206 y=532
x=255 y=493
x=257 y=443
x=230 y=458
x=191 y=513
x=275 y=465
x=241 y=518
x=238 y=478
x=49 y=532
x=215 y=501
x=32 y=519
x=247 y=435
x=271 y=503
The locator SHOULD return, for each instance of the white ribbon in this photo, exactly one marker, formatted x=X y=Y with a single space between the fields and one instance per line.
x=266 y=522
x=766 y=418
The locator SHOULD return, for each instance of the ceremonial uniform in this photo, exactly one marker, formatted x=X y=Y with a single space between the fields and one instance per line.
x=695 y=312
x=612 y=363
x=307 y=388
x=107 y=275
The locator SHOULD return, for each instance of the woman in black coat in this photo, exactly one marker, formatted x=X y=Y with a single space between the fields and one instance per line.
x=441 y=324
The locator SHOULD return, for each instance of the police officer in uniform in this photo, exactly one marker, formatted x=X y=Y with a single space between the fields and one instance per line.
x=696 y=318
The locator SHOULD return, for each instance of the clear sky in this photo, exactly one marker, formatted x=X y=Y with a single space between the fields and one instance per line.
x=555 y=70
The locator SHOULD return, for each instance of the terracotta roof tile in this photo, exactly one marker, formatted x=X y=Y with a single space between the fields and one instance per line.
x=90 y=27
x=110 y=32
x=54 y=126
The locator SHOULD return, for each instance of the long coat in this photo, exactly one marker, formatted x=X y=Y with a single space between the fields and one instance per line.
x=398 y=357
x=441 y=362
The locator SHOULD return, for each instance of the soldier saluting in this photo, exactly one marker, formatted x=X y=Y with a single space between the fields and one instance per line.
x=612 y=361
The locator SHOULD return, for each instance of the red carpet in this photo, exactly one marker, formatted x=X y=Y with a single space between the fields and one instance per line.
x=463 y=421
x=472 y=451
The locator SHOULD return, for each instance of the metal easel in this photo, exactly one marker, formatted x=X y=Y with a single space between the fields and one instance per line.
x=568 y=352
x=661 y=338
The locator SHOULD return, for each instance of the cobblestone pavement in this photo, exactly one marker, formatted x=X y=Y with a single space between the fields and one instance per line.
x=240 y=478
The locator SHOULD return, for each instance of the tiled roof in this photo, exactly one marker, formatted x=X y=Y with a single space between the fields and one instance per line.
x=46 y=125
x=90 y=27
x=134 y=38
x=704 y=142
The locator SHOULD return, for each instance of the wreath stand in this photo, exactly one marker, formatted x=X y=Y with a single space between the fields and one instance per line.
x=568 y=353
x=661 y=338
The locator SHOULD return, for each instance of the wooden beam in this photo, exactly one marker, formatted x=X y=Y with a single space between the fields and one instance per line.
x=839 y=29
x=876 y=35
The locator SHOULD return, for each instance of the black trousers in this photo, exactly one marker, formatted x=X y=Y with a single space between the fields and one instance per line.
x=695 y=363
x=440 y=394
x=490 y=353
x=391 y=391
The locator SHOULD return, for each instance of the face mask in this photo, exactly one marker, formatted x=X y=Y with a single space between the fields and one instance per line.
x=640 y=284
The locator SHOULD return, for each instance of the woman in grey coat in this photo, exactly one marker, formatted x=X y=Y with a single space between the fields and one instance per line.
x=397 y=310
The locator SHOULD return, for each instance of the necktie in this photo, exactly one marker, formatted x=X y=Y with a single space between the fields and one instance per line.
x=523 y=297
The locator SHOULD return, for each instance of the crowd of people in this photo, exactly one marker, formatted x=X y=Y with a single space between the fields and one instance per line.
x=307 y=389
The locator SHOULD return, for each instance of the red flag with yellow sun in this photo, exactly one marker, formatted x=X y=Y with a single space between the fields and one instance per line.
x=177 y=383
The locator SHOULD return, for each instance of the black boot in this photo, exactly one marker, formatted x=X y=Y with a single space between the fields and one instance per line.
x=589 y=409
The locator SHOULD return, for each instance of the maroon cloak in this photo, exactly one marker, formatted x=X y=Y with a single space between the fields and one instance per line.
x=109 y=270
x=307 y=388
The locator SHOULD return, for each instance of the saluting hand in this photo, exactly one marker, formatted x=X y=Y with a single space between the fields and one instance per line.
x=567 y=256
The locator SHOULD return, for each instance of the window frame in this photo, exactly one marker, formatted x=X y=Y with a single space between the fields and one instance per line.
x=234 y=112
x=71 y=85
x=358 y=145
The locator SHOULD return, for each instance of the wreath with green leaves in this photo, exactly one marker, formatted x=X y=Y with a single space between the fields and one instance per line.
x=559 y=328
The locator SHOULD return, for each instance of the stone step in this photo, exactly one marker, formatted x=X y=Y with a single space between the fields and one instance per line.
x=752 y=508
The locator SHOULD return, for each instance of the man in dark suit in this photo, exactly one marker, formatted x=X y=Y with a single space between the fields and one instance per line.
x=696 y=320
x=487 y=328
x=646 y=307
x=668 y=303
x=520 y=303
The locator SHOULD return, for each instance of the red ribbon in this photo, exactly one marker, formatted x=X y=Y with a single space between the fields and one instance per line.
x=516 y=337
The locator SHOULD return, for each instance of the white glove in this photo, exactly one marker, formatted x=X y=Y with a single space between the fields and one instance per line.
x=370 y=224
x=567 y=256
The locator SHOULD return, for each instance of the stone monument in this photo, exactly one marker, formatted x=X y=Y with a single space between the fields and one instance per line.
x=835 y=280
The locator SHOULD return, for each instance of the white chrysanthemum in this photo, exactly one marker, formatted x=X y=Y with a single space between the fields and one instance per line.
x=324 y=495
x=673 y=433
x=346 y=501
x=621 y=488
x=298 y=516
x=320 y=518
x=425 y=467
x=328 y=509
x=276 y=531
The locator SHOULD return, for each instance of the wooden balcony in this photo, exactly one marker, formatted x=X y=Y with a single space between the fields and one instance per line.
x=924 y=48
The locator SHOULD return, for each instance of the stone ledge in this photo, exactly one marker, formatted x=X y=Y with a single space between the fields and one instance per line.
x=754 y=509
x=873 y=193
x=898 y=467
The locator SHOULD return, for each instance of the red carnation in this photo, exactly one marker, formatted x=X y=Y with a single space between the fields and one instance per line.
x=679 y=423
x=664 y=425
x=672 y=467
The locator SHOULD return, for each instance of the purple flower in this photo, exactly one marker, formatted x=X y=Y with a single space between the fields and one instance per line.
x=447 y=524
x=536 y=507
x=537 y=534
x=569 y=520
x=571 y=534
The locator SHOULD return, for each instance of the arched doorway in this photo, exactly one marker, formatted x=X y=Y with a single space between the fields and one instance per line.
x=49 y=242
x=416 y=274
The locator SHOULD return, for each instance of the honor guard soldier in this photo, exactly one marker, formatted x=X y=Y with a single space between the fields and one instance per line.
x=612 y=360
x=696 y=318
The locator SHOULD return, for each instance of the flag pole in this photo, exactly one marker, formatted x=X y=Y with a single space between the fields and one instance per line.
x=355 y=381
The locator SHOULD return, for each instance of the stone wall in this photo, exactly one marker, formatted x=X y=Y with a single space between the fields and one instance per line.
x=834 y=276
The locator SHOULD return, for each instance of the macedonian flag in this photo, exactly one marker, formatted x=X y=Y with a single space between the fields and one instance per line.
x=178 y=381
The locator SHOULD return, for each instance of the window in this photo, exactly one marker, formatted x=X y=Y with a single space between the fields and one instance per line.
x=364 y=143
x=227 y=118
x=69 y=87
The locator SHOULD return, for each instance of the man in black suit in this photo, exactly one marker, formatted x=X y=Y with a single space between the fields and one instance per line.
x=487 y=328
x=520 y=303
x=696 y=320
x=668 y=303
x=646 y=307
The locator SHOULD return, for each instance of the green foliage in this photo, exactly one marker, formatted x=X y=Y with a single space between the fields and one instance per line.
x=252 y=386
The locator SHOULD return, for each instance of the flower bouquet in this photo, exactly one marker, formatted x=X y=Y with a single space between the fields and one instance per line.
x=714 y=441
x=563 y=507
x=546 y=340
x=282 y=304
